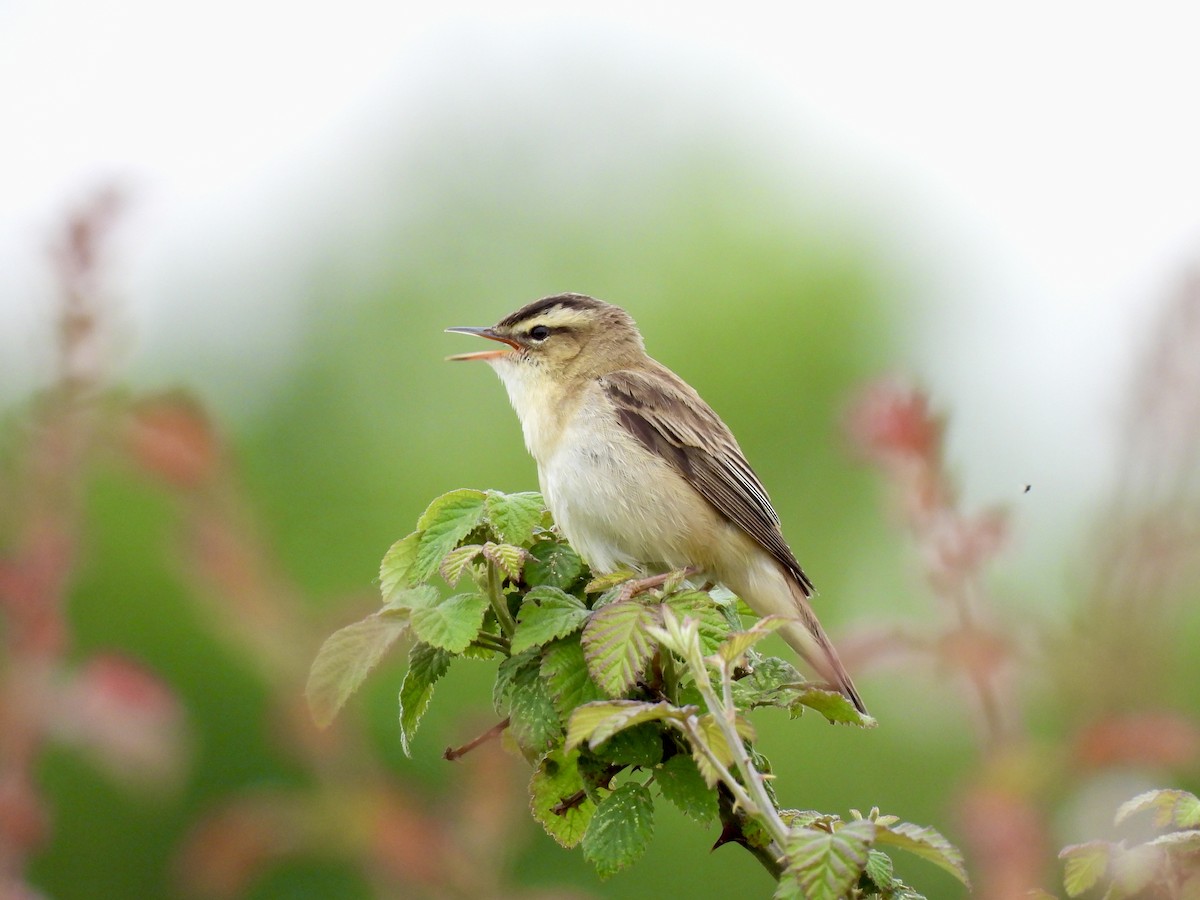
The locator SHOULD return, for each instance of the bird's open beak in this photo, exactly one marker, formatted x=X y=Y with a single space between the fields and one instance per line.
x=491 y=335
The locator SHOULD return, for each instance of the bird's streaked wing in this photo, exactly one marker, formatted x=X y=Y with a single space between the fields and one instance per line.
x=671 y=420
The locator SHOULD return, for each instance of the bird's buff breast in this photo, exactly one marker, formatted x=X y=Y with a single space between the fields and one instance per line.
x=618 y=504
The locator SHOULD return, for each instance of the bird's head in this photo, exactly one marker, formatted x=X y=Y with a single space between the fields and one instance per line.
x=560 y=338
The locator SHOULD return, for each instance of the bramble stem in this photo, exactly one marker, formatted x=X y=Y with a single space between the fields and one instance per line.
x=733 y=832
x=492 y=642
x=697 y=740
x=499 y=603
x=670 y=675
x=725 y=715
x=637 y=585
x=453 y=753
x=753 y=778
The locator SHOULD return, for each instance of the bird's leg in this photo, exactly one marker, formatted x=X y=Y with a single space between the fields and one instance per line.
x=637 y=585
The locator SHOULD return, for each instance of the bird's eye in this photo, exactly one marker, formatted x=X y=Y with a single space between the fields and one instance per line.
x=539 y=332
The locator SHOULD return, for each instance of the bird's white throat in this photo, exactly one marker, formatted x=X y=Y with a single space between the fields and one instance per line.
x=538 y=402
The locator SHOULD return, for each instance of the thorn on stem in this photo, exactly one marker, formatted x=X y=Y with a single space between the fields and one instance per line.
x=731 y=833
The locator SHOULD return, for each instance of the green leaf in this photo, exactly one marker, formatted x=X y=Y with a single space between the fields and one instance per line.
x=724 y=598
x=450 y=506
x=620 y=830
x=553 y=563
x=755 y=833
x=398 y=567
x=826 y=865
x=709 y=772
x=602 y=583
x=456 y=561
x=566 y=675
x=926 y=843
x=763 y=765
x=547 y=613
x=345 y=659
x=506 y=675
x=514 y=517
x=714 y=738
x=426 y=665
x=735 y=646
x=641 y=745
x=533 y=720
x=675 y=635
x=507 y=558
x=557 y=799
x=597 y=775
x=833 y=705
x=802 y=818
x=612 y=595
x=451 y=624
x=1086 y=864
x=710 y=621
x=617 y=644
x=410 y=598
x=449 y=519
x=879 y=870
x=771 y=682
x=597 y=722
x=682 y=784
x=475 y=651
x=1171 y=808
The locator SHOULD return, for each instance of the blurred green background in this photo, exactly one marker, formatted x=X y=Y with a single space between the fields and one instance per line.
x=772 y=318
x=342 y=422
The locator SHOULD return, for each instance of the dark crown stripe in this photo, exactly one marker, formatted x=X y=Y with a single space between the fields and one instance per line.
x=559 y=301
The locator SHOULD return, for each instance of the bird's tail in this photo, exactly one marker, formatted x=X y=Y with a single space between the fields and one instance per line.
x=808 y=638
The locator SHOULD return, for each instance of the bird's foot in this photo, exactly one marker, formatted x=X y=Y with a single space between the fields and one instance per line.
x=636 y=586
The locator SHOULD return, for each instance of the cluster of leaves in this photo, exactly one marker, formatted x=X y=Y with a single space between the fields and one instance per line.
x=615 y=696
x=1168 y=865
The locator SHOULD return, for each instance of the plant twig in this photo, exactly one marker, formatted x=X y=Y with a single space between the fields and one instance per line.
x=453 y=753
x=733 y=832
x=725 y=713
x=492 y=642
x=638 y=585
x=499 y=604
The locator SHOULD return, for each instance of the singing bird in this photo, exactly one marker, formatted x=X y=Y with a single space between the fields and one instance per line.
x=638 y=471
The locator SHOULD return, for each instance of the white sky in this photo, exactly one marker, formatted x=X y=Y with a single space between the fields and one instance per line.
x=1045 y=156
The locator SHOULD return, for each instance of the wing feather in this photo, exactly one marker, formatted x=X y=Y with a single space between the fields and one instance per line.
x=671 y=420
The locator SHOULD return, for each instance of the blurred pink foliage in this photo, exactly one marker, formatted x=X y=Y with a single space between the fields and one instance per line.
x=111 y=708
x=356 y=809
x=893 y=426
x=390 y=836
x=1108 y=672
x=107 y=705
x=125 y=717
